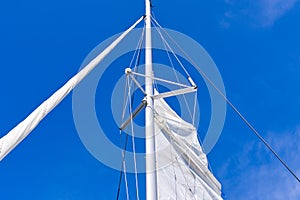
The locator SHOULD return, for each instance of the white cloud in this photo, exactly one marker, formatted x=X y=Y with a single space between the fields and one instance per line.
x=271 y=10
x=263 y=13
x=256 y=174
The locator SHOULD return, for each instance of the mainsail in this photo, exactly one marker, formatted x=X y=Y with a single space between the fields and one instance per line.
x=182 y=167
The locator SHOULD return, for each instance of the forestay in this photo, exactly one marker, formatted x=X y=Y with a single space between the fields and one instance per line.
x=182 y=168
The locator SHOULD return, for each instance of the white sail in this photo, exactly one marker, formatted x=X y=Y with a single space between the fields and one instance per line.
x=17 y=134
x=182 y=171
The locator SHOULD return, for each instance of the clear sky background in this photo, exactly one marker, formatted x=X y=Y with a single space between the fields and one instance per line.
x=255 y=45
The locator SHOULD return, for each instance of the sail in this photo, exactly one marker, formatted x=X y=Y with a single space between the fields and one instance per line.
x=182 y=167
x=21 y=131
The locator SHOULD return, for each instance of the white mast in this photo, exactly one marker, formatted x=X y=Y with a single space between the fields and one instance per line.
x=151 y=181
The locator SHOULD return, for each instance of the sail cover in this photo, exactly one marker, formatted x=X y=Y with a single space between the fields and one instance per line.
x=182 y=167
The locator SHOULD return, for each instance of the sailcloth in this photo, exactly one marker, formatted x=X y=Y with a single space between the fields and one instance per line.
x=17 y=134
x=182 y=167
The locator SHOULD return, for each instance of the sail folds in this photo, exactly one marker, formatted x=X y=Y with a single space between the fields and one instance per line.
x=21 y=131
x=182 y=167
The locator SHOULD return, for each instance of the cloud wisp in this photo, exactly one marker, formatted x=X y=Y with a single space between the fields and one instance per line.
x=271 y=10
x=256 y=174
x=262 y=13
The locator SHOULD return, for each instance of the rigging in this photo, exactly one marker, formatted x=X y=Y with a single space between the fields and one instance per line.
x=232 y=106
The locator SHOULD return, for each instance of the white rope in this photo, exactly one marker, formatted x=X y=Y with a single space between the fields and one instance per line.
x=185 y=176
x=188 y=167
x=125 y=177
x=139 y=48
x=175 y=175
x=137 y=84
x=171 y=62
x=178 y=60
x=123 y=150
x=124 y=100
x=136 y=50
x=133 y=146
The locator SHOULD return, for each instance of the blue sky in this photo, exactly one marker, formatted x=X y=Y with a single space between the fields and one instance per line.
x=256 y=47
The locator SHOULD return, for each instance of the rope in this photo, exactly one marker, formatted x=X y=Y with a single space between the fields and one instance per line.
x=123 y=167
x=185 y=177
x=165 y=42
x=165 y=46
x=138 y=49
x=123 y=163
x=125 y=177
x=131 y=103
x=125 y=102
x=175 y=175
x=133 y=148
x=234 y=108
x=188 y=168
x=137 y=61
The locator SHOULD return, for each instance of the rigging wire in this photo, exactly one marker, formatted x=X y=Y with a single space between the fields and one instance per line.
x=137 y=61
x=123 y=171
x=133 y=147
x=184 y=173
x=192 y=114
x=173 y=167
x=138 y=49
x=123 y=166
x=188 y=167
x=125 y=145
x=126 y=181
x=167 y=46
x=121 y=174
x=232 y=106
x=166 y=43
x=125 y=102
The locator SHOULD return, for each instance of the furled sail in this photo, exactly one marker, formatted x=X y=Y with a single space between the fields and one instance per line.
x=17 y=134
x=182 y=167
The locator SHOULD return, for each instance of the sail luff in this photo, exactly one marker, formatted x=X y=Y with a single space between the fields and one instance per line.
x=17 y=134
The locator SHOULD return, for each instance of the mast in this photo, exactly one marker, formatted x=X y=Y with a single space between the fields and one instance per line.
x=151 y=181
